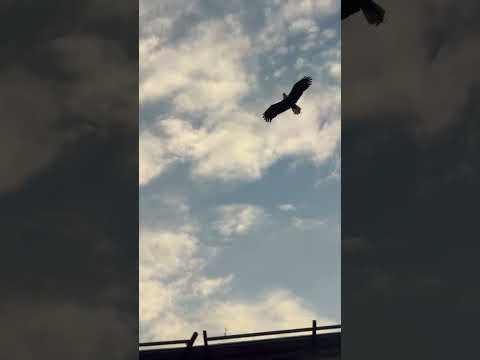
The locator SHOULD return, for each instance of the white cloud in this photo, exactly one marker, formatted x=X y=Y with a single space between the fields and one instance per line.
x=334 y=70
x=230 y=142
x=171 y=264
x=206 y=286
x=299 y=63
x=332 y=54
x=315 y=39
x=334 y=175
x=308 y=8
x=277 y=309
x=237 y=219
x=279 y=72
x=155 y=298
x=173 y=290
x=296 y=16
x=203 y=72
x=157 y=17
x=332 y=62
x=205 y=77
x=166 y=253
x=287 y=207
x=307 y=223
x=153 y=158
x=241 y=145
x=304 y=25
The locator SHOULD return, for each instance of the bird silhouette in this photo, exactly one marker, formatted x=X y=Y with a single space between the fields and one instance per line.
x=373 y=12
x=289 y=101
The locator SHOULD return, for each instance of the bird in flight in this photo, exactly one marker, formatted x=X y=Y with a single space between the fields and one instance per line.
x=373 y=12
x=289 y=101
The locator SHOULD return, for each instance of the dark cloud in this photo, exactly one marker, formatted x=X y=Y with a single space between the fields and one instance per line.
x=410 y=181
x=69 y=184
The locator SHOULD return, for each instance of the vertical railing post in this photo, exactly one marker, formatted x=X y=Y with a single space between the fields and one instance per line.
x=205 y=338
x=192 y=340
x=206 y=354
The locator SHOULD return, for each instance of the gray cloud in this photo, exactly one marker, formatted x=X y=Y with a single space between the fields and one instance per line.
x=69 y=184
x=410 y=178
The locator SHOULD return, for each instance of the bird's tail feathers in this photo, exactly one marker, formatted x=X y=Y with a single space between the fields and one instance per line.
x=296 y=109
x=374 y=13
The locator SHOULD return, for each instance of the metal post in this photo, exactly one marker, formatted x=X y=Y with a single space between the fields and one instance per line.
x=205 y=338
x=192 y=339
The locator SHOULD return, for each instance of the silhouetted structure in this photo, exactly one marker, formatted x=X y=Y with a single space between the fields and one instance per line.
x=373 y=12
x=289 y=101
x=309 y=347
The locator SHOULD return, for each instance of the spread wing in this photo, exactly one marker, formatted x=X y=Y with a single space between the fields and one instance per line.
x=349 y=8
x=275 y=109
x=299 y=88
x=373 y=12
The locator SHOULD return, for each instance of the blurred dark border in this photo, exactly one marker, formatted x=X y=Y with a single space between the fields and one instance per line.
x=411 y=181
x=69 y=179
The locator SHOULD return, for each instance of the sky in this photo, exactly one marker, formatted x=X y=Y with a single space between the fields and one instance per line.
x=69 y=183
x=69 y=187
x=410 y=181
x=239 y=219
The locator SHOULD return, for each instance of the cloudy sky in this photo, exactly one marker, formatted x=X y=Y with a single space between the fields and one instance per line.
x=69 y=183
x=239 y=219
x=410 y=180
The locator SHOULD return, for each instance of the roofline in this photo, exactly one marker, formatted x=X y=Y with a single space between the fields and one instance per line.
x=190 y=342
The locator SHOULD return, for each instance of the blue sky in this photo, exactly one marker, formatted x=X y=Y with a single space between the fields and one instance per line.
x=239 y=219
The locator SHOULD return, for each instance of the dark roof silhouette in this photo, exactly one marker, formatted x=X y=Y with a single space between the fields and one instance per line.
x=289 y=101
x=309 y=347
x=373 y=12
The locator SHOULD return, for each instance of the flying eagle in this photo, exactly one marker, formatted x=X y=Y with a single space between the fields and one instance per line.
x=289 y=102
x=373 y=12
